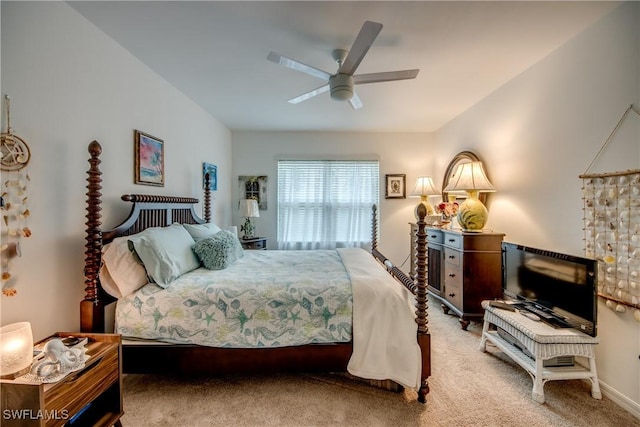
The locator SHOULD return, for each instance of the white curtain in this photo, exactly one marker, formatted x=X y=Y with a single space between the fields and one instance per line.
x=326 y=204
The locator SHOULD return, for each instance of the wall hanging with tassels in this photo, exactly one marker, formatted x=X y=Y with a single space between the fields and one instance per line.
x=612 y=230
x=14 y=157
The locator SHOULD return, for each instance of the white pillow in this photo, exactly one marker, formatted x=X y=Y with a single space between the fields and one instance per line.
x=165 y=252
x=202 y=231
x=120 y=273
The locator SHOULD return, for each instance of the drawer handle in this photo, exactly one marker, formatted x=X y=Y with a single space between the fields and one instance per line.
x=452 y=295
x=452 y=275
x=452 y=256
x=77 y=375
x=433 y=236
x=452 y=240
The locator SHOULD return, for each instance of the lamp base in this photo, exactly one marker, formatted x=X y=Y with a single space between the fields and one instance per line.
x=472 y=215
x=15 y=375
x=248 y=229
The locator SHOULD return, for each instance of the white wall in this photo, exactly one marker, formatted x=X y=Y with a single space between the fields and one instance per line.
x=255 y=153
x=70 y=84
x=538 y=133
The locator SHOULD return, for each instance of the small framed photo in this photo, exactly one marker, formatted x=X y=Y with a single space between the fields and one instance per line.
x=395 y=186
x=212 y=170
x=149 y=165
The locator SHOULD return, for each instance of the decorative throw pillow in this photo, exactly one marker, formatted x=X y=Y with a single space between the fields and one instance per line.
x=120 y=274
x=220 y=251
x=202 y=231
x=165 y=252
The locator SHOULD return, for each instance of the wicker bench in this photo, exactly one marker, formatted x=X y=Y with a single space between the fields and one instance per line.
x=535 y=342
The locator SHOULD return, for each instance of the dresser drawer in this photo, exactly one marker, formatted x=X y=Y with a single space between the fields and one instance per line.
x=79 y=388
x=452 y=257
x=453 y=292
x=453 y=240
x=259 y=243
x=434 y=236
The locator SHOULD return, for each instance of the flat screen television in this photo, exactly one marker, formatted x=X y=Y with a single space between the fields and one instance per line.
x=559 y=288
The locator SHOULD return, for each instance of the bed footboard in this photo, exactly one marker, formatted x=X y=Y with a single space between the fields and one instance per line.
x=418 y=287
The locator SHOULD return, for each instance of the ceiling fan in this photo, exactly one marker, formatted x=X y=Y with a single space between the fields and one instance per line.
x=341 y=83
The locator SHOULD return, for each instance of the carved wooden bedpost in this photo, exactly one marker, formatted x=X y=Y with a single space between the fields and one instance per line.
x=374 y=228
x=424 y=338
x=91 y=311
x=207 y=198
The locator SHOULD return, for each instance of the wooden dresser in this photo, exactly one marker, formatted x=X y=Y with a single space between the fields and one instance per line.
x=463 y=270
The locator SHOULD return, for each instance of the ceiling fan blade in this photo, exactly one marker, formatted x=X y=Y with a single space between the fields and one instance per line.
x=355 y=101
x=360 y=47
x=297 y=65
x=384 y=77
x=310 y=94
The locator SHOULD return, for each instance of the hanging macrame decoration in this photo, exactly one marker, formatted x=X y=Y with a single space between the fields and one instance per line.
x=612 y=231
x=14 y=157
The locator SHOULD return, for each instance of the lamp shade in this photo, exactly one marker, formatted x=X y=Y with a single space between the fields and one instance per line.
x=424 y=187
x=16 y=348
x=470 y=177
x=249 y=208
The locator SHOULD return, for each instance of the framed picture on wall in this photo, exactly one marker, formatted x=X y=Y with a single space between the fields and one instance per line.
x=212 y=170
x=395 y=186
x=253 y=187
x=149 y=164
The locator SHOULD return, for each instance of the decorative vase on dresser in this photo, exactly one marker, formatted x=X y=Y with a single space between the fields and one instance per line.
x=463 y=270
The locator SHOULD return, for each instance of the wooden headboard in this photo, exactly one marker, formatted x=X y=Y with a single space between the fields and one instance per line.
x=154 y=211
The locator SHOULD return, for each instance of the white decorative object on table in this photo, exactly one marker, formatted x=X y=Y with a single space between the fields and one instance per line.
x=59 y=361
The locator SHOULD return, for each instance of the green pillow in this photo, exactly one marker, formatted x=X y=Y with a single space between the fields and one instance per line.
x=165 y=252
x=220 y=251
x=202 y=231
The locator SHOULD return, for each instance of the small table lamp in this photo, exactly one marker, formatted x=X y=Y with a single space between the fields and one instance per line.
x=16 y=349
x=248 y=209
x=423 y=189
x=471 y=178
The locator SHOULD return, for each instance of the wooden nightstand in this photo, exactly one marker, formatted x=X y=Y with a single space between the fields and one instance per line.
x=255 y=243
x=89 y=397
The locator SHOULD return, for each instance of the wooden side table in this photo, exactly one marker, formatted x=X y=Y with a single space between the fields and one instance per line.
x=91 y=396
x=259 y=243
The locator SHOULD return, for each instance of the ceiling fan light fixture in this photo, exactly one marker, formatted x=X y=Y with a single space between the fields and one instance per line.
x=341 y=84
x=341 y=87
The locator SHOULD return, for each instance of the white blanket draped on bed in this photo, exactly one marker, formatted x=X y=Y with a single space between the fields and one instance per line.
x=384 y=331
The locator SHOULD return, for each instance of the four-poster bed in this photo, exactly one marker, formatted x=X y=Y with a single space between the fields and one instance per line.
x=162 y=357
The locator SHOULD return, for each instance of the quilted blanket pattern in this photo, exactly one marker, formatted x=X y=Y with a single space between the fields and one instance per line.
x=265 y=299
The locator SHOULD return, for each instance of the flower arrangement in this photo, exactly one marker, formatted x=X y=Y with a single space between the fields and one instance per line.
x=447 y=209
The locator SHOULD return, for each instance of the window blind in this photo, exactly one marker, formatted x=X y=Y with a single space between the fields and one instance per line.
x=324 y=204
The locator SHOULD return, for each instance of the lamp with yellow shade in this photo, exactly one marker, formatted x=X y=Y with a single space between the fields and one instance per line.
x=424 y=188
x=471 y=178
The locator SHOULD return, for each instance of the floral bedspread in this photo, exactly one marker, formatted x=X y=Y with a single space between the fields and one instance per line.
x=265 y=299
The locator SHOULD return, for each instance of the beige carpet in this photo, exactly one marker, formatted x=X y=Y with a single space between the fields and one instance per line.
x=468 y=388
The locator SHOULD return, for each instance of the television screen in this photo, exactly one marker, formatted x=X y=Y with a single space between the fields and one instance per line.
x=562 y=286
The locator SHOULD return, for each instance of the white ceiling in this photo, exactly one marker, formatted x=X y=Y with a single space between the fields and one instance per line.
x=215 y=52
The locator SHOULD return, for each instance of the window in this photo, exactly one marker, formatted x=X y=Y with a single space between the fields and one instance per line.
x=325 y=204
